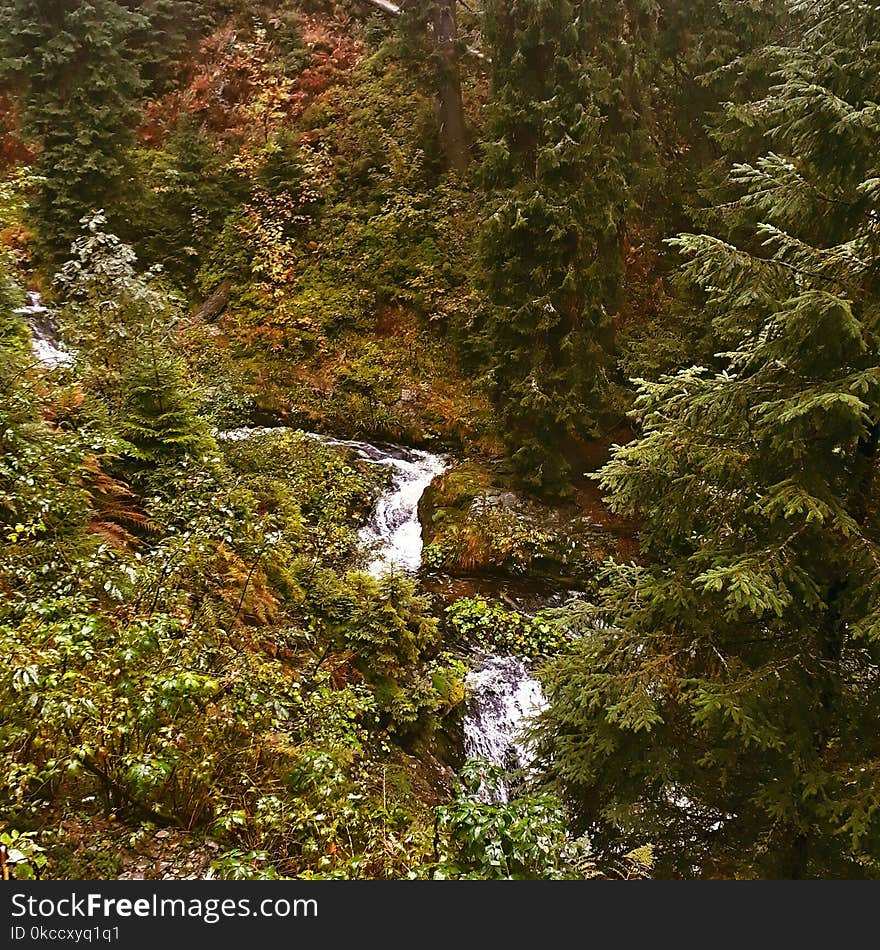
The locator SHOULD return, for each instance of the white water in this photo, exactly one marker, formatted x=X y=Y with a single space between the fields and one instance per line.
x=44 y=337
x=504 y=696
x=503 y=693
x=393 y=534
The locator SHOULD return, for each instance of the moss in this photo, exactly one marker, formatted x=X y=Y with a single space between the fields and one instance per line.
x=473 y=522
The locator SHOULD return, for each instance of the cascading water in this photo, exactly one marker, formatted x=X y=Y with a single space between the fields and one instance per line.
x=504 y=696
x=394 y=535
x=504 y=693
x=44 y=336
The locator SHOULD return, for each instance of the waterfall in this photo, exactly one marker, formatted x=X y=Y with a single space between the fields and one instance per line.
x=393 y=535
x=44 y=334
x=504 y=696
x=503 y=692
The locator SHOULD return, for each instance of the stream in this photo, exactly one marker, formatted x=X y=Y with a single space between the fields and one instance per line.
x=503 y=692
x=47 y=348
x=504 y=697
x=393 y=535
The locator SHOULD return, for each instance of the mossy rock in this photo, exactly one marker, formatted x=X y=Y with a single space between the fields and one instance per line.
x=449 y=498
x=473 y=522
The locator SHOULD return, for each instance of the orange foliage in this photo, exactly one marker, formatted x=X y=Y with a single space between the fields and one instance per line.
x=13 y=150
x=17 y=239
x=114 y=505
x=244 y=589
x=333 y=55
x=234 y=86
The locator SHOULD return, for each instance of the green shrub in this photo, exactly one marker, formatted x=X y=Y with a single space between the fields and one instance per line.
x=526 y=838
x=480 y=622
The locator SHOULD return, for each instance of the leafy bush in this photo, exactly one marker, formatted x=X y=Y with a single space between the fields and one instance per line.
x=24 y=855
x=491 y=538
x=526 y=838
x=332 y=490
x=479 y=622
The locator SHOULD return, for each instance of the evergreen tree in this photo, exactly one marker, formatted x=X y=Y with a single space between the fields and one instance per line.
x=564 y=134
x=107 y=306
x=122 y=323
x=181 y=198
x=729 y=711
x=79 y=87
x=160 y=420
x=166 y=28
x=709 y=52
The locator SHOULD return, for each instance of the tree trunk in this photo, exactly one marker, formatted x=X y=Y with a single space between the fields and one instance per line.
x=793 y=866
x=214 y=305
x=449 y=107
